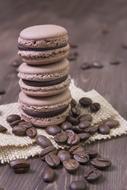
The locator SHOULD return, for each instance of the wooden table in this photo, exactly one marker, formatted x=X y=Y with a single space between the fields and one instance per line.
x=99 y=28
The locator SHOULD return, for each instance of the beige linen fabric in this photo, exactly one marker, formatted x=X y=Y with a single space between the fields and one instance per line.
x=13 y=147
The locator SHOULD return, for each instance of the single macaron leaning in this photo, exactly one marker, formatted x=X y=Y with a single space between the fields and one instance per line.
x=46 y=80
x=46 y=111
x=43 y=44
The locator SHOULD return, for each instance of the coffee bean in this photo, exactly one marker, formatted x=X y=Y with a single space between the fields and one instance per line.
x=75 y=111
x=97 y=65
x=76 y=147
x=48 y=175
x=47 y=150
x=84 y=136
x=84 y=124
x=66 y=125
x=76 y=129
x=86 y=117
x=19 y=130
x=2 y=90
x=86 y=65
x=13 y=117
x=3 y=129
x=64 y=155
x=31 y=132
x=101 y=163
x=92 y=130
x=85 y=102
x=20 y=165
x=111 y=123
x=81 y=157
x=43 y=141
x=53 y=130
x=52 y=160
x=104 y=129
x=73 y=103
x=73 y=138
x=78 y=185
x=25 y=124
x=73 y=120
x=92 y=153
x=61 y=137
x=91 y=174
x=115 y=62
x=95 y=107
x=71 y=165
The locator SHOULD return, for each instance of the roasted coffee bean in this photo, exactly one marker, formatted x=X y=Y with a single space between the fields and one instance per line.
x=52 y=160
x=85 y=102
x=73 y=120
x=19 y=130
x=86 y=65
x=76 y=129
x=95 y=107
x=75 y=147
x=64 y=155
x=71 y=165
x=75 y=111
x=101 y=163
x=47 y=150
x=104 y=129
x=92 y=130
x=53 y=130
x=43 y=141
x=92 y=153
x=84 y=124
x=13 y=117
x=48 y=175
x=91 y=174
x=73 y=138
x=78 y=185
x=85 y=117
x=97 y=65
x=111 y=123
x=66 y=125
x=84 y=136
x=61 y=137
x=81 y=157
x=3 y=129
x=31 y=132
x=115 y=62
x=20 y=165
x=25 y=124
x=73 y=103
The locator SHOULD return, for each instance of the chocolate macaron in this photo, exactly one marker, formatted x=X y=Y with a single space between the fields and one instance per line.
x=46 y=80
x=45 y=111
x=43 y=44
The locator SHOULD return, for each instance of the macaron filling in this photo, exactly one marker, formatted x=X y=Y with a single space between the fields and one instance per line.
x=45 y=83
x=47 y=114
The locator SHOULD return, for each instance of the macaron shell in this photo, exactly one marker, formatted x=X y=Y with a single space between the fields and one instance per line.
x=45 y=72
x=44 y=91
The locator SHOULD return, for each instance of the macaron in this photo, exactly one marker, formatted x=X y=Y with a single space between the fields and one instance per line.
x=43 y=44
x=46 y=80
x=45 y=111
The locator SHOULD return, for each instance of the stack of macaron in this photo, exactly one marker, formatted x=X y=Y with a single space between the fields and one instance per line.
x=44 y=74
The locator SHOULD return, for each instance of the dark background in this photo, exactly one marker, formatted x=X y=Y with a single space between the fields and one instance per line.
x=99 y=28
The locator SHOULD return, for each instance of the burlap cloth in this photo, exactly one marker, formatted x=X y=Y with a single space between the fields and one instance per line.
x=12 y=147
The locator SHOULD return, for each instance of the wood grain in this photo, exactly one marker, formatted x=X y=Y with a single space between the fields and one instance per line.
x=86 y=22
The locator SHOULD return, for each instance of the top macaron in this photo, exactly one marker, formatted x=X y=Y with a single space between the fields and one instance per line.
x=43 y=44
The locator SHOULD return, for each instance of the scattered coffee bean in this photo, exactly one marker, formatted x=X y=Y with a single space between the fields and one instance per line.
x=61 y=137
x=81 y=157
x=73 y=103
x=64 y=155
x=111 y=123
x=20 y=165
x=73 y=120
x=85 y=66
x=84 y=124
x=95 y=107
x=76 y=129
x=43 y=141
x=75 y=111
x=84 y=136
x=101 y=163
x=91 y=174
x=115 y=63
x=104 y=129
x=92 y=130
x=85 y=102
x=78 y=185
x=73 y=138
x=97 y=65
x=92 y=153
x=31 y=132
x=53 y=130
x=19 y=130
x=66 y=125
x=52 y=160
x=13 y=117
x=3 y=129
x=71 y=165
x=25 y=124
x=48 y=175
x=85 y=117
x=47 y=150
x=76 y=147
